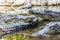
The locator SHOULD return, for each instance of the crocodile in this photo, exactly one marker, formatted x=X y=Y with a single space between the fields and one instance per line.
x=45 y=13
x=51 y=29
x=16 y=23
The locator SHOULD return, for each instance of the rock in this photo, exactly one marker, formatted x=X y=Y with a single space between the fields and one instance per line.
x=52 y=28
x=16 y=23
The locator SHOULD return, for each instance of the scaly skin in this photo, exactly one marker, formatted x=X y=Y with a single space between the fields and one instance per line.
x=17 y=23
x=46 y=14
x=53 y=28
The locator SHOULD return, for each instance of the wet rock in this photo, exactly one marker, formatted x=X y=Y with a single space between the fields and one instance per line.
x=53 y=28
x=16 y=23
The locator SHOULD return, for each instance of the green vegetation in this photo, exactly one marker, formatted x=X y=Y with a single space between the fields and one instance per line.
x=16 y=37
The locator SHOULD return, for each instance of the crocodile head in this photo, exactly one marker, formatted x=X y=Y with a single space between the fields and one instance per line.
x=53 y=28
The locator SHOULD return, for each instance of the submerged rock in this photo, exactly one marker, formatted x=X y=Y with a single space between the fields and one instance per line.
x=16 y=23
x=53 y=28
